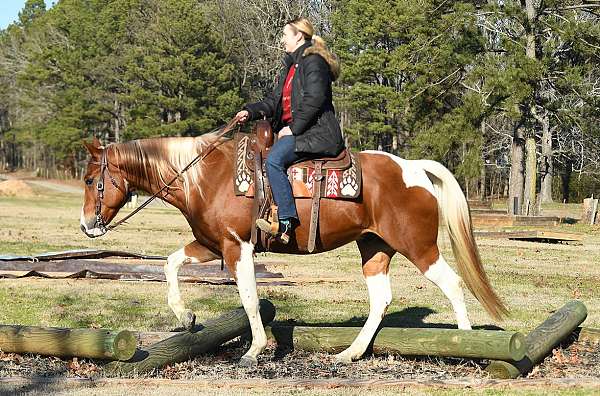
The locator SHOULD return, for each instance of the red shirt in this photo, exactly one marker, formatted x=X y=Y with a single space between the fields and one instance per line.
x=286 y=99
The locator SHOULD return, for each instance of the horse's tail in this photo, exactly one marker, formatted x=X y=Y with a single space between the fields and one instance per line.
x=457 y=219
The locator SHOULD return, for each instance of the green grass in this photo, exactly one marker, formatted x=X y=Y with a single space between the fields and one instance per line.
x=533 y=278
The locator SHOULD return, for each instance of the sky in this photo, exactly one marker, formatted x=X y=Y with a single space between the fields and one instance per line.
x=9 y=10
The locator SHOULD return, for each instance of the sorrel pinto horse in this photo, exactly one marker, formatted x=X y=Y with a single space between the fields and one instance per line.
x=399 y=211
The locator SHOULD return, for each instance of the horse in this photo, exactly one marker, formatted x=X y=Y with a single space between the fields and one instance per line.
x=402 y=204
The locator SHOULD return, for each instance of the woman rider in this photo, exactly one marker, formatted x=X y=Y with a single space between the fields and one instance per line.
x=301 y=109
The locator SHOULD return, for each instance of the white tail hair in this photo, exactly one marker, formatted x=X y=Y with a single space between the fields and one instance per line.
x=454 y=211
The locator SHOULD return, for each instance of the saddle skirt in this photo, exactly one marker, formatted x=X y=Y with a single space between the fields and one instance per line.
x=342 y=175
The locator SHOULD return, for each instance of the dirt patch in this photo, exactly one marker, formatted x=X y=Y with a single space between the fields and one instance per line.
x=15 y=188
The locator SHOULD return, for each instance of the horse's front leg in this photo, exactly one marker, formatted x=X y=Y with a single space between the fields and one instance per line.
x=239 y=259
x=191 y=253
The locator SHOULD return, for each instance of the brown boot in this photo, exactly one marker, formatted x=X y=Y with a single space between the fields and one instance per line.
x=281 y=230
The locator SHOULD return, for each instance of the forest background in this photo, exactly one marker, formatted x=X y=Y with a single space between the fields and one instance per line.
x=505 y=93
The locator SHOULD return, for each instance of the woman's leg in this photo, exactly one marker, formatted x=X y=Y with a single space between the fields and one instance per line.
x=280 y=157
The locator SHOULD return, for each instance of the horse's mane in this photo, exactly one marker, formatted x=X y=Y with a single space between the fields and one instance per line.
x=160 y=159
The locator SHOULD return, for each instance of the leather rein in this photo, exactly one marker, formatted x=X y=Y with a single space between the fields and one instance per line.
x=104 y=169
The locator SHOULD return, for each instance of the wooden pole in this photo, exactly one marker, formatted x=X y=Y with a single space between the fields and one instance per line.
x=589 y=209
x=418 y=341
x=590 y=335
x=52 y=341
x=541 y=341
x=187 y=345
x=594 y=210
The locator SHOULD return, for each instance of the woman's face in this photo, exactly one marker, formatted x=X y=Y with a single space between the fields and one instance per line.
x=291 y=40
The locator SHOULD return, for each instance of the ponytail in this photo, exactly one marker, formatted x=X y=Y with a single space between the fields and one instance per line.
x=319 y=46
x=318 y=41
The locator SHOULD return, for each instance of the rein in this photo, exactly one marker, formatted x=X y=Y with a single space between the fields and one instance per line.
x=104 y=168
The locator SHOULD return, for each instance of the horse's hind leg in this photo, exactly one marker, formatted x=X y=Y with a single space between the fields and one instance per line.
x=428 y=259
x=444 y=277
x=191 y=253
x=376 y=256
x=418 y=243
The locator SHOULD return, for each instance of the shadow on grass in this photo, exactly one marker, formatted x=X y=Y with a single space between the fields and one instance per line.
x=411 y=317
x=569 y=220
x=39 y=382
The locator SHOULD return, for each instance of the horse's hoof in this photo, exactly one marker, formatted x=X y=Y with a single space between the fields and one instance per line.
x=188 y=319
x=248 y=361
x=343 y=357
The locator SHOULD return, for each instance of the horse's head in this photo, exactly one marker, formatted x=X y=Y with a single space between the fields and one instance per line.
x=106 y=191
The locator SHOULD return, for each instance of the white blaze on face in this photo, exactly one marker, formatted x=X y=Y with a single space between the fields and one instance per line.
x=91 y=232
x=413 y=175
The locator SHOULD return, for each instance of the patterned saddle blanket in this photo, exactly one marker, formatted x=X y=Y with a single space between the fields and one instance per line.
x=341 y=177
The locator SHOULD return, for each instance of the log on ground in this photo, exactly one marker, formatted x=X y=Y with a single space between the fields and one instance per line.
x=189 y=344
x=588 y=334
x=541 y=341
x=53 y=341
x=489 y=344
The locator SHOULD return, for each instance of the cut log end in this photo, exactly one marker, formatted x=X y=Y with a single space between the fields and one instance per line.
x=187 y=345
x=541 y=340
x=123 y=345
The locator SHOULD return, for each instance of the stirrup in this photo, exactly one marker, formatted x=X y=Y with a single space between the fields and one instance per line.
x=272 y=229
x=269 y=228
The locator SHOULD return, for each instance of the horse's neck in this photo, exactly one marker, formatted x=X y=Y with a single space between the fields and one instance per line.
x=147 y=177
x=207 y=176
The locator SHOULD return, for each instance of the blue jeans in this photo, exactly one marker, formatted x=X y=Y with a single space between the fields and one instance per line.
x=280 y=158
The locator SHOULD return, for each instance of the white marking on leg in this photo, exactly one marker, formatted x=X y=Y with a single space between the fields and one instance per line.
x=442 y=275
x=174 y=263
x=412 y=174
x=246 y=281
x=380 y=298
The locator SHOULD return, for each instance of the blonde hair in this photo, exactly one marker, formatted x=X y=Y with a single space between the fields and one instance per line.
x=304 y=26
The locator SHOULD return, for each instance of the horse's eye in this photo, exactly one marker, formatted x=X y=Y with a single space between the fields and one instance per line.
x=89 y=181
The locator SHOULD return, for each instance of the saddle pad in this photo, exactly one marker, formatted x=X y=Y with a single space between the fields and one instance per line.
x=338 y=184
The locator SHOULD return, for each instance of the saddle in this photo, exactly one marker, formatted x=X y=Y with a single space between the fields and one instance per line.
x=328 y=177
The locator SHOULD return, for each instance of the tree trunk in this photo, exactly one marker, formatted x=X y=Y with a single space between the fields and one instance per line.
x=482 y=183
x=546 y=166
x=566 y=180
x=530 y=176
x=517 y=155
x=528 y=204
x=117 y=122
x=482 y=173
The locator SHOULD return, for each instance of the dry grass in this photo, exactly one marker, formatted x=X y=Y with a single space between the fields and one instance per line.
x=533 y=278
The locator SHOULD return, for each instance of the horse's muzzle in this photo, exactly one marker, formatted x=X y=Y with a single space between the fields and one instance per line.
x=92 y=232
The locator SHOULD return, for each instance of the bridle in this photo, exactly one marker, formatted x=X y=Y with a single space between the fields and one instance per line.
x=100 y=223
x=100 y=188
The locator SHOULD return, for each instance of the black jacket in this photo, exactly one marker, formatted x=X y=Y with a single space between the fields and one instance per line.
x=314 y=125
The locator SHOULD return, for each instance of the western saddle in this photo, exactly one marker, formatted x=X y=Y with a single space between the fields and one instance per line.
x=333 y=178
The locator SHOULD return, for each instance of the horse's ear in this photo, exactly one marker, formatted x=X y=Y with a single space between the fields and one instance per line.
x=94 y=147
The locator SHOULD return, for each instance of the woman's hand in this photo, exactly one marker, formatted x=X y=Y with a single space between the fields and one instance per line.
x=242 y=116
x=285 y=131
